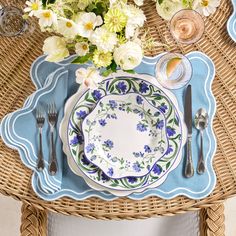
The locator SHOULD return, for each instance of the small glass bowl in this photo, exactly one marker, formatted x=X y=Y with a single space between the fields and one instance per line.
x=11 y=21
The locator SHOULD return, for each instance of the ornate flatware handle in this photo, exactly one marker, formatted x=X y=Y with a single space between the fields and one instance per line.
x=189 y=171
x=53 y=158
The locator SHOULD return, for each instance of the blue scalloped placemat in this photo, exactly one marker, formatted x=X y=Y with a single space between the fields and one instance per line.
x=196 y=187
x=231 y=24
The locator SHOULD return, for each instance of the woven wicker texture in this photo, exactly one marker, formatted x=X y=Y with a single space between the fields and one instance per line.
x=212 y=221
x=18 y=53
x=33 y=221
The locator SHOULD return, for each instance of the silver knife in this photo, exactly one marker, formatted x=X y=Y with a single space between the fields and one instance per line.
x=189 y=171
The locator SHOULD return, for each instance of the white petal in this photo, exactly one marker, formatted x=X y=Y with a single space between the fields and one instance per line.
x=205 y=12
x=28 y=3
x=99 y=21
x=27 y=9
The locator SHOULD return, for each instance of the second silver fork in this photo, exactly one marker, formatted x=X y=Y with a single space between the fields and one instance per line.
x=52 y=118
x=40 y=122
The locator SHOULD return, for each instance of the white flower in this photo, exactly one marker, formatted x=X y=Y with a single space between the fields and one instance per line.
x=104 y=39
x=89 y=77
x=168 y=8
x=87 y=23
x=46 y=18
x=33 y=6
x=206 y=7
x=128 y=55
x=135 y=15
x=112 y=2
x=55 y=48
x=129 y=30
x=81 y=48
x=67 y=28
x=136 y=18
x=82 y=4
x=138 y=2
x=117 y=3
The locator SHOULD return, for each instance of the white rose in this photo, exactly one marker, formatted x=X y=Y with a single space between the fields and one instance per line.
x=168 y=8
x=55 y=48
x=128 y=55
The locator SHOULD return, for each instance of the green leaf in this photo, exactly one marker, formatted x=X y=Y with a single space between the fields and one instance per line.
x=167 y=165
x=176 y=121
x=46 y=2
x=98 y=7
x=128 y=109
x=187 y=3
x=113 y=66
x=153 y=103
x=160 y=1
x=130 y=71
x=112 y=88
x=158 y=97
x=113 y=185
x=106 y=72
x=74 y=152
x=91 y=7
x=87 y=96
x=83 y=59
x=90 y=100
x=92 y=48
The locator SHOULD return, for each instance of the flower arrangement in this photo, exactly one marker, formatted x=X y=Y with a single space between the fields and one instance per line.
x=105 y=32
x=167 y=8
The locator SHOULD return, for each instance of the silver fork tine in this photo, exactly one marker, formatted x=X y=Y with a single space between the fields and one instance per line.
x=37 y=113
x=54 y=107
x=49 y=108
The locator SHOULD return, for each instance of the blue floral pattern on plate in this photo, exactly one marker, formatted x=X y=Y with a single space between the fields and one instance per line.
x=157 y=98
x=124 y=135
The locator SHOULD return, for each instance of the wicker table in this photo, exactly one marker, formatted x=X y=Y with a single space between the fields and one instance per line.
x=16 y=56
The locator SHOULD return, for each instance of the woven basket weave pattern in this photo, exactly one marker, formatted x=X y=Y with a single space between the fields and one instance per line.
x=16 y=57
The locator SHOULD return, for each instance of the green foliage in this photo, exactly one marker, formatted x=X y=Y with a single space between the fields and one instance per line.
x=46 y=2
x=167 y=165
x=187 y=3
x=110 y=69
x=106 y=72
x=83 y=59
x=98 y=7
x=130 y=71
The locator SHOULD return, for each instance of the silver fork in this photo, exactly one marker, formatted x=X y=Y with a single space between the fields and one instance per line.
x=40 y=122
x=52 y=118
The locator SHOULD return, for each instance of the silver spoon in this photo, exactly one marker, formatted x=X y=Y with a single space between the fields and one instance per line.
x=201 y=122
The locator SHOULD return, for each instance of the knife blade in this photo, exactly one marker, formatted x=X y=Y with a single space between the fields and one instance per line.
x=188 y=109
x=189 y=171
